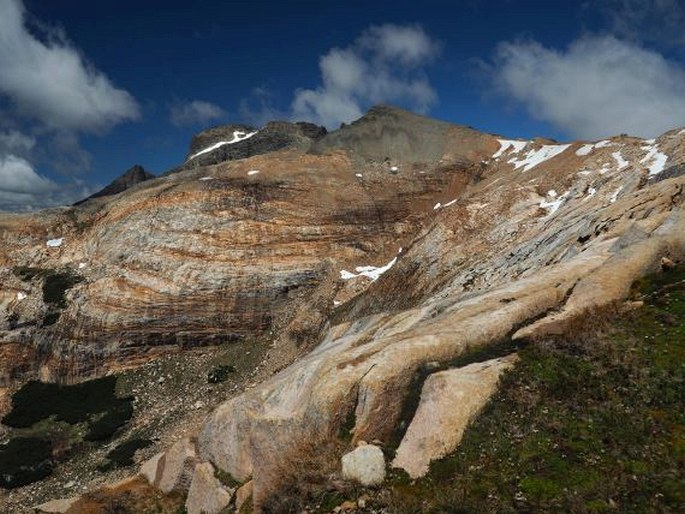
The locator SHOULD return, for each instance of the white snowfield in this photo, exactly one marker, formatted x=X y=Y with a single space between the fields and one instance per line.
x=371 y=272
x=655 y=160
x=506 y=144
x=238 y=135
x=535 y=157
x=622 y=163
x=586 y=149
x=55 y=242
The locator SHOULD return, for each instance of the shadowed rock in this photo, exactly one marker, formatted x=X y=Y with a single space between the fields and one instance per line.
x=132 y=177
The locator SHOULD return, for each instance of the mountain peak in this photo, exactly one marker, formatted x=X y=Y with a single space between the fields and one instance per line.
x=134 y=175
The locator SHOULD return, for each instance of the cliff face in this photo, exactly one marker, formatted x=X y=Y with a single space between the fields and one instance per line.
x=371 y=256
x=218 y=254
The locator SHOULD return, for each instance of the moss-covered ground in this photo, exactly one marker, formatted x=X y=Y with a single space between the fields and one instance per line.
x=593 y=421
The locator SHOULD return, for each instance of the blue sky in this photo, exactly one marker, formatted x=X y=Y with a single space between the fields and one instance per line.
x=88 y=90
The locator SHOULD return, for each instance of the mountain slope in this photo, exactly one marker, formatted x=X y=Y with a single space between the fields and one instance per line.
x=363 y=262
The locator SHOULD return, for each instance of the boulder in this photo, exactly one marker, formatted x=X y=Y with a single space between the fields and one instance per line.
x=150 y=469
x=365 y=465
x=449 y=401
x=207 y=495
x=175 y=467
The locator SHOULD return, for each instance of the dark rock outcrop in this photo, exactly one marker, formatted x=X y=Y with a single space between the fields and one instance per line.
x=132 y=177
x=276 y=135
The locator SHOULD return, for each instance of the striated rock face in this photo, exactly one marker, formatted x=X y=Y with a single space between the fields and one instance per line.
x=500 y=241
x=204 y=257
x=549 y=231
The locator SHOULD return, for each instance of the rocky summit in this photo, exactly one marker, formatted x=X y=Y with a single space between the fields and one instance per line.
x=373 y=284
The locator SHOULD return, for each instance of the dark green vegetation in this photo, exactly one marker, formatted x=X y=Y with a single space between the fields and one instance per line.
x=122 y=454
x=24 y=460
x=593 y=421
x=59 y=418
x=220 y=373
x=36 y=401
x=55 y=285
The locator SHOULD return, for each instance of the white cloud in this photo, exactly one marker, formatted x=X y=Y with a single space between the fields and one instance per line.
x=385 y=64
x=599 y=86
x=49 y=80
x=14 y=141
x=196 y=112
x=22 y=189
x=18 y=176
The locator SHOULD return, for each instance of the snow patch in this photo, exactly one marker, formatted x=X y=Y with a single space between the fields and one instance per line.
x=552 y=205
x=206 y=178
x=622 y=163
x=505 y=144
x=371 y=272
x=20 y=296
x=358 y=175
x=591 y=191
x=394 y=168
x=82 y=265
x=587 y=148
x=253 y=172
x=55 y=242
x=238 y=135
x=655 y=160
x=535 y=157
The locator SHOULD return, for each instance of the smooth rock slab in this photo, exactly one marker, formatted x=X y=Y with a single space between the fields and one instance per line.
x=207 y=495
x=449 y=401
x=365 y=465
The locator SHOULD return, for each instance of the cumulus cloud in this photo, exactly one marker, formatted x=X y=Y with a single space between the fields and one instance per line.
x=22 y=189
x=18 y=176
x=195 y=112
x=385 y=64
x=50 y=82
x=599 y=86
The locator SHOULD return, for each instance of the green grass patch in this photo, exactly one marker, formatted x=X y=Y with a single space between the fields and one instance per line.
x=592 y=421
